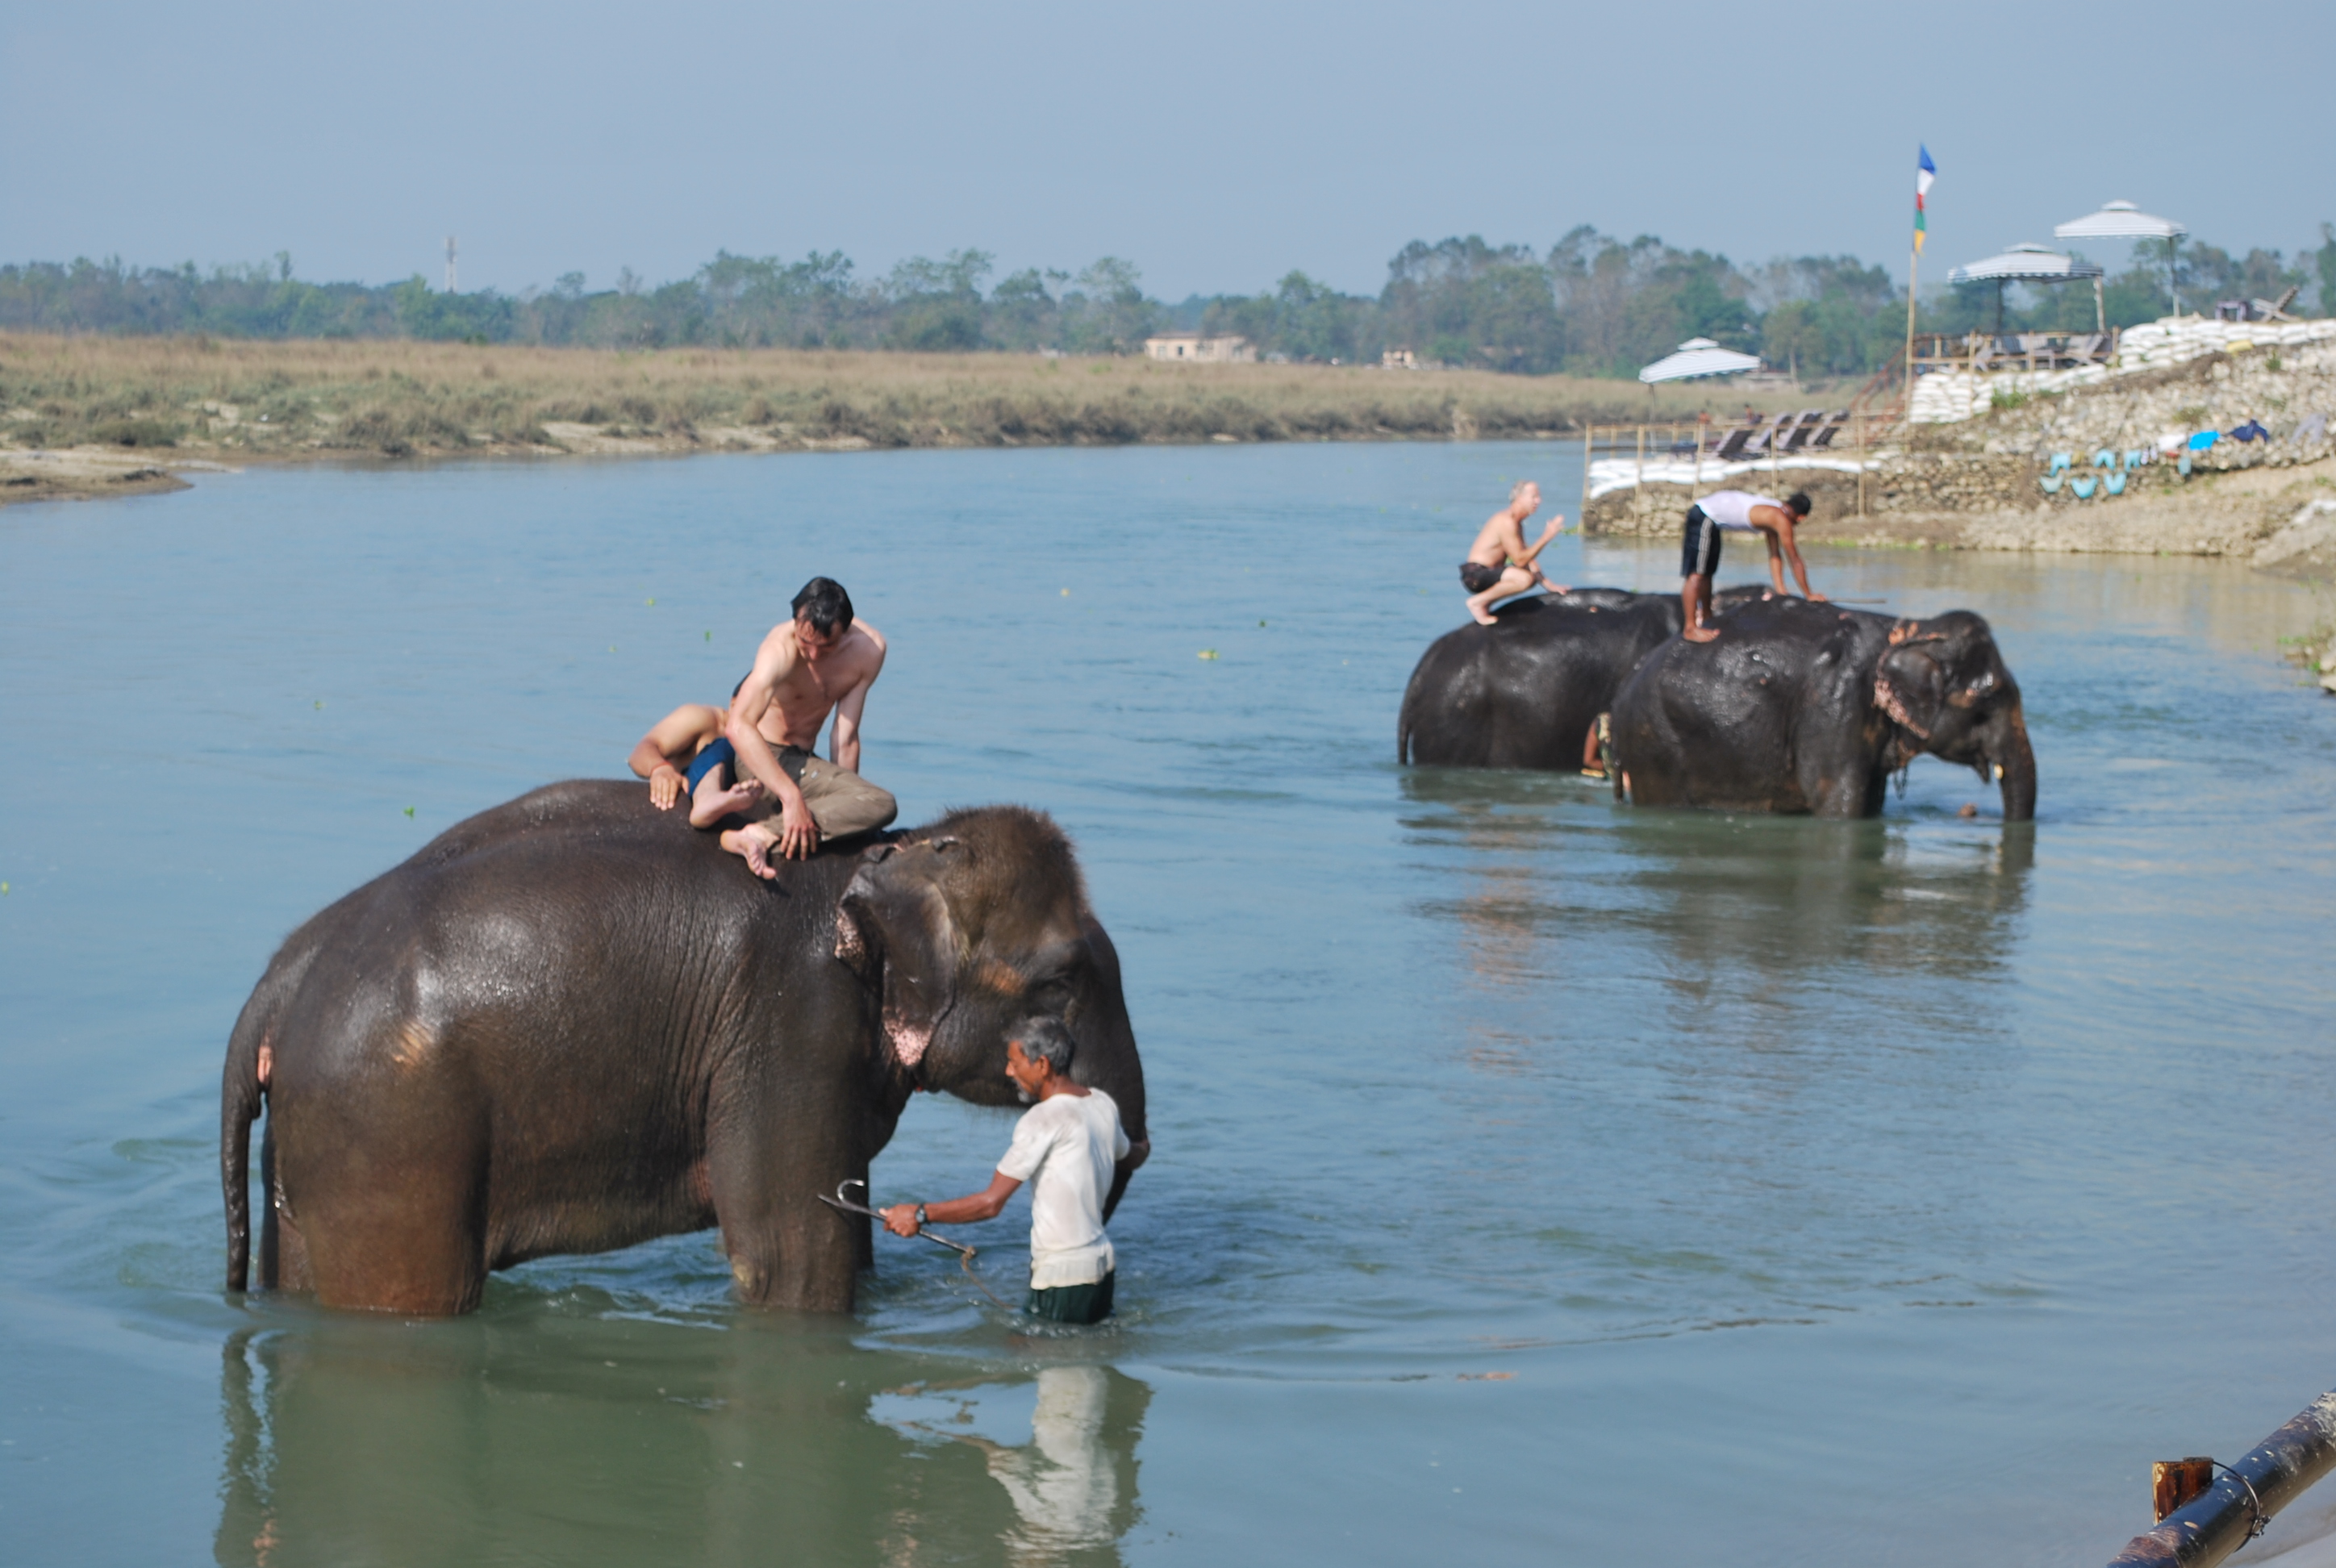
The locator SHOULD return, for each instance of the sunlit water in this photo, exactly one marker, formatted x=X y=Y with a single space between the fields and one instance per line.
x=1535 y=1181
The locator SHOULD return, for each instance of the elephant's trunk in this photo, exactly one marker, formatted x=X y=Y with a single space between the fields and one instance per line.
x=2016 y=760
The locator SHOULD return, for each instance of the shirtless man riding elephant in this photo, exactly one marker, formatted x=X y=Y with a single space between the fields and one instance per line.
x=820 y=662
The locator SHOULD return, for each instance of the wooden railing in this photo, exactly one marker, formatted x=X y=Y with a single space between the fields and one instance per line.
x=1778 y=441
x=1987 y=351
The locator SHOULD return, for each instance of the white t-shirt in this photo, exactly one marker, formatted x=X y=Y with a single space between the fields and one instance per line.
x=1732 y=509
x=1065 y=1146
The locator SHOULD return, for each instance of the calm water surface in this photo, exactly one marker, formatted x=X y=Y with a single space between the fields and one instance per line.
x=1535 y=1181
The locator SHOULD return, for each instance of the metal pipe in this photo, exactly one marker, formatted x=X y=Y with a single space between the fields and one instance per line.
x=2229 y=1513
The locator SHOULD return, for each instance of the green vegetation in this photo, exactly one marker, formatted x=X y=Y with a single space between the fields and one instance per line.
x=1591 y=306
x=242 y=398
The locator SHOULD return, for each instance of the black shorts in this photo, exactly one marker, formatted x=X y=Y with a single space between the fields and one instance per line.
x=1699 y=549
x=1476 y=577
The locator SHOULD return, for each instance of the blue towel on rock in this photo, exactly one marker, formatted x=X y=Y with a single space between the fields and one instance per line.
x=2251 y=431
x=2205 y=439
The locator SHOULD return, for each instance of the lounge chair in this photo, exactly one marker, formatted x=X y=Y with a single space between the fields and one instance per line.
x=2136 y=458
x=2051 y=484
x=2083 y=488
x=1832 y=427
x=2105 y=458
x=2060 y=461
x=1804 y=426
x=2113 y=485
x=1731 y=445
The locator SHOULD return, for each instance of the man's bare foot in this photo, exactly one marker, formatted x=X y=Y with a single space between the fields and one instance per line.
x=754 y=847
x=1483 y=617
x=1701 y=633
x=706 y=810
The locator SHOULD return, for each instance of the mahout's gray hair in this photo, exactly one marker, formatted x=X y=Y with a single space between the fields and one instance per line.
x=1043 y=1038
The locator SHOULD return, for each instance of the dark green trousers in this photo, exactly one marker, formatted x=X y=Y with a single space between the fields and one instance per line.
x=1072 y=1303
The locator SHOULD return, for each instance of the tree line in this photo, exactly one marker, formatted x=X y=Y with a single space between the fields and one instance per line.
x=1592 y=305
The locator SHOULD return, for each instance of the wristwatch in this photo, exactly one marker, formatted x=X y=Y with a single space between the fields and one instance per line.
x=920 y=1216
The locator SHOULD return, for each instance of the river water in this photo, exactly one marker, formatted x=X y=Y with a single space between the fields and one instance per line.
x=1534 y=1180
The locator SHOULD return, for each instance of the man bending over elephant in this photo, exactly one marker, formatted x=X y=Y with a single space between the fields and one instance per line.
x=1065 y=1145
x=1499 y=566
x=1737 y=512
x=816 y=664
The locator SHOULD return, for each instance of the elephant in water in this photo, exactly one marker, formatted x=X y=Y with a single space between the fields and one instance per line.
x=570 y=1024
x=1803 y=706
x=1525 y=691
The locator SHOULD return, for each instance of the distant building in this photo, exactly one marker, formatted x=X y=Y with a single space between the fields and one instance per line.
x=1398 y=359
x=1195 y=348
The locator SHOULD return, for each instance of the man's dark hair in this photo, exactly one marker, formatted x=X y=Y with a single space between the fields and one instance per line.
x=1045 y=1039
x=824 y=604
x=1797 y=503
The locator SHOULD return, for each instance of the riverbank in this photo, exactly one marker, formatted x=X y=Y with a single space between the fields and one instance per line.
x=99 y=407
x=2025 y=475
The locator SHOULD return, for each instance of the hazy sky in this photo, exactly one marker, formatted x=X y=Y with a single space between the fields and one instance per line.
x=1216 y=145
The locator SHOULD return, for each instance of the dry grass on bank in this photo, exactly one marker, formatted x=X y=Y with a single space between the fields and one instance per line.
x=211 y=397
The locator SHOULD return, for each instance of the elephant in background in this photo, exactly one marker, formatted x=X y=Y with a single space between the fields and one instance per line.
x=571 y=1023
x=1526 y=691
x=1803 y=706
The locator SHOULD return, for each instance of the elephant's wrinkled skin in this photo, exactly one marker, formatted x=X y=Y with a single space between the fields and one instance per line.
x=1800 y=706
x=570 y=1024
x=1523 y=692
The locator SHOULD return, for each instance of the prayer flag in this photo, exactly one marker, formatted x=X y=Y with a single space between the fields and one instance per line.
x=1925 y=171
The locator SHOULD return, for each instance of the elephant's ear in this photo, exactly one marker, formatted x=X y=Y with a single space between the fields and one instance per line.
x=859 y=934
x=1910 y=687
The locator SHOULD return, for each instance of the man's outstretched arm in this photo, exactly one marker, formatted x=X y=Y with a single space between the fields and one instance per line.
x=843 y=742
x=901 y=1219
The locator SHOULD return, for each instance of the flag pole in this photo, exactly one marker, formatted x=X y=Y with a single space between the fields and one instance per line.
x=1913 y=270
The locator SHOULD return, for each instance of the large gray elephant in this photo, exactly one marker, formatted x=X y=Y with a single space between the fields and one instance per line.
x=1523 y=692
x=1805 y=706
x=571 y=1023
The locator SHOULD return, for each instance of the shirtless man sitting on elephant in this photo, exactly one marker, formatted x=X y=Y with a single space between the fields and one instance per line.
x=1499 y=566
x=762 y=760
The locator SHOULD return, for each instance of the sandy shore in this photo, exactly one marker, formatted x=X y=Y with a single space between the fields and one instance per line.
x=83 y=474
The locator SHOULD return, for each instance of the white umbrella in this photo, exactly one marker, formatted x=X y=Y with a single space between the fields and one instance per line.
x=1698 y=356
x=2028 y=263
x=2124 y=220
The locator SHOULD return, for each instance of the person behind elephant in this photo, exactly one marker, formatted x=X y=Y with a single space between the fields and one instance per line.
x=816 y=664
x=669 y=757
x=1737 y=512
x=1499 y=565
x=1066 y=1146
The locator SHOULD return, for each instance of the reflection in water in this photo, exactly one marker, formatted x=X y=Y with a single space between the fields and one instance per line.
x=1741 y=899
x=1073 y=1484
x=528 y=1436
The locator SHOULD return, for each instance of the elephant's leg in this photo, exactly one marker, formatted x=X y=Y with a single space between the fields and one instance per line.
x=394 y=1219
x=283 y=1251
x=1842 y=785
x=786 y=1248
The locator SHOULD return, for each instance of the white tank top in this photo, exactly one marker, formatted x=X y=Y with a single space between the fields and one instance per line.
x=1732 y=509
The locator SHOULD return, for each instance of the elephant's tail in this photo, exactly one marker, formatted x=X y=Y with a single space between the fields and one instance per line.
x=243 y=1091
x=1406 y=723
